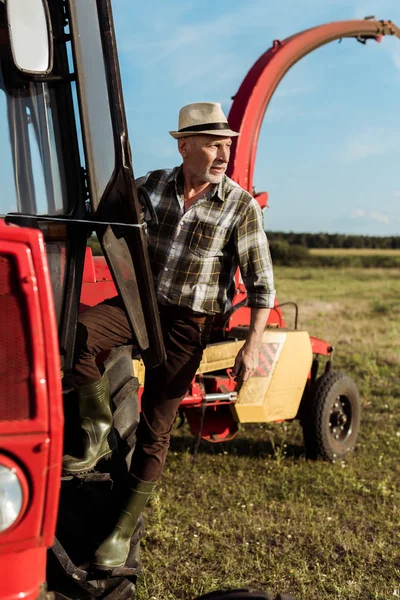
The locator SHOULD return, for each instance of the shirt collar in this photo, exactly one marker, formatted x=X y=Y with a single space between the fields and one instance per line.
x=217 y=192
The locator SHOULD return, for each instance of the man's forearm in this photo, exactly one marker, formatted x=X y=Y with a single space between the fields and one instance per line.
x=258 y=320
x=247 y=359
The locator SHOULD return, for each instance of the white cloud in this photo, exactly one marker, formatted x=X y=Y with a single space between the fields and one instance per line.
x=182 y=41
x=360 y=213
x=380 y=217
x=396 y=193
x=357 y=150
x=370 y=141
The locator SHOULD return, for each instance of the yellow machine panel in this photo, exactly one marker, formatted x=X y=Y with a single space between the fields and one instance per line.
x=139 y=370
x=219 y=356
x=274 y=391
x=215 y=357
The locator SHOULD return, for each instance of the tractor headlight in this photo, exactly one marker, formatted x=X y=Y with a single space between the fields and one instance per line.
x=13 y=493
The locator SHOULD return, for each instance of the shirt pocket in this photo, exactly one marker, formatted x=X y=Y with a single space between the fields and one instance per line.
x=208 y=240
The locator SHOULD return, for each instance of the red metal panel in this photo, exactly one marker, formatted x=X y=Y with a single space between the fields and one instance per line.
x=54 y=441
x=241 y=318
x=218 y=424
x=95 y=268
x=89 y=273
x=24 y=570
x=35 y=444
x=101 y=269
x=320 y=346
x=31 y=452
x=262 y=199
x=97 y=282
x=15 y=359
x=93 y=293
x=20 y=253
x=251 y=101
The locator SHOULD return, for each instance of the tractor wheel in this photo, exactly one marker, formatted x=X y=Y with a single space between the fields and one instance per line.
x=332 y=423
x=124 y=388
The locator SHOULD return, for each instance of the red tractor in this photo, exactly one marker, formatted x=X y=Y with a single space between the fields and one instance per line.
x=66 y=172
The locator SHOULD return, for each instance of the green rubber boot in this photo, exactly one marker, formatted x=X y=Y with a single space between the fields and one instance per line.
x=113 y=552
x=96 y=422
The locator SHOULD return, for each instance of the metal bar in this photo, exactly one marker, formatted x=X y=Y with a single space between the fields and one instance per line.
x=210 y=399
x=10 y=217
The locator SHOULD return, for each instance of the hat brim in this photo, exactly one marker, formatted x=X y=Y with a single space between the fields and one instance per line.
x=219 y=133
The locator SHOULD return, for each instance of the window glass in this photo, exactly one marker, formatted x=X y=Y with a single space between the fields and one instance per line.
x=95 y=106
x=31 y=169
x=56 y=256
x=8 y=196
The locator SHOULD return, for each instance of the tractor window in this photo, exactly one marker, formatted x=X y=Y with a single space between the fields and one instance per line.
x=8 y=199
x=8 y=196
x=31 y=171
x=95 y=103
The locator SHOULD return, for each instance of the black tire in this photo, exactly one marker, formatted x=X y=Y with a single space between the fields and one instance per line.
x=332 y=422
x=124 y=389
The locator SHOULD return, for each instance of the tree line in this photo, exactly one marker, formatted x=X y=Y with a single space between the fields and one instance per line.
x=334 y=240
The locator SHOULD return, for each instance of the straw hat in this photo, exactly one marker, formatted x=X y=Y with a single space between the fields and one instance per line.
x=202 y=118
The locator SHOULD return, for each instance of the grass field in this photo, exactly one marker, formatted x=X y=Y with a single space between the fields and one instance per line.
x=254 y=512
x=353 y=252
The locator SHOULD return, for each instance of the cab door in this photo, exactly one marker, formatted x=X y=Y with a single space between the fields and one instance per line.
x=112 y=190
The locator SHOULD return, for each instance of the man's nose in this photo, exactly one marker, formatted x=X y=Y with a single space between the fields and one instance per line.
x=223 y=153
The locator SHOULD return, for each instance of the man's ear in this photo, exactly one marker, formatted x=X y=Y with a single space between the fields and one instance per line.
x=183 y=144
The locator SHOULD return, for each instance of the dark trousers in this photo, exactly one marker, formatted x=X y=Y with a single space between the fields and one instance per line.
x=106 y=326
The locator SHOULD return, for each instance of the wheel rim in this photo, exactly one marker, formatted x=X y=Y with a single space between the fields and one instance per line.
x=340 y=419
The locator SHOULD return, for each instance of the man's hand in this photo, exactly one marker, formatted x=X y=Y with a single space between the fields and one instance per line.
x=248 y=356
x=246 y=361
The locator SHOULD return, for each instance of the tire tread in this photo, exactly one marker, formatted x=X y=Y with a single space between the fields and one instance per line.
x=314 y=428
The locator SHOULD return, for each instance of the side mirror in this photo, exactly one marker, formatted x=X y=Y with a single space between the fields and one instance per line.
x=31 y=36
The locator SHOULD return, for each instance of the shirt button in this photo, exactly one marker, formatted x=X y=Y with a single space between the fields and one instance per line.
x=165 y=269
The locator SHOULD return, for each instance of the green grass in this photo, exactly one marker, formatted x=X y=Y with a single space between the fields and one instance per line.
x=354 y=251
x=255 y=512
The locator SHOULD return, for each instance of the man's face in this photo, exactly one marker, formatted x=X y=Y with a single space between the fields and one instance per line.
x=206 y=157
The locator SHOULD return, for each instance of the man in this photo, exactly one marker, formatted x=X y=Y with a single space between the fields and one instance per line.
x=207 y=227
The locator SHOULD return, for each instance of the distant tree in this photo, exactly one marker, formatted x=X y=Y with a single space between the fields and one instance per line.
x=333 y=240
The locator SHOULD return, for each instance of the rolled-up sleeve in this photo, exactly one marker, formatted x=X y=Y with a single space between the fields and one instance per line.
x=254 y=258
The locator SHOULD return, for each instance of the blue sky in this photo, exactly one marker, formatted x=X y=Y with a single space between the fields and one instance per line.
x=329 y=149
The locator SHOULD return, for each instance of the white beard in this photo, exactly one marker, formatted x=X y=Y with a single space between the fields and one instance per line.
x=213 y=178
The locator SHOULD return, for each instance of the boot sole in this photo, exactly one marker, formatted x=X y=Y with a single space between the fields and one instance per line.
x=97 y=567
x=105 y=456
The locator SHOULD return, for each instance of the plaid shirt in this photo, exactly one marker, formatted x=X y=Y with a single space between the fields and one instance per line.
x=195 y=255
